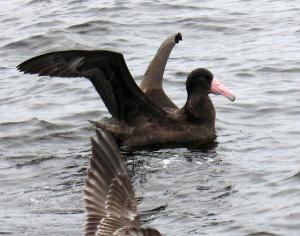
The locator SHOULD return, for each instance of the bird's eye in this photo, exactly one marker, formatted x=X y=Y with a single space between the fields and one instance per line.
x=207 y=78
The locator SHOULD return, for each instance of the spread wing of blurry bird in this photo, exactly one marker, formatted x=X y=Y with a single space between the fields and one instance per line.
x=110 y=203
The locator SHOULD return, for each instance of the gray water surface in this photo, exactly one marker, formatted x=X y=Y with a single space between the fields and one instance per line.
x=247 y=185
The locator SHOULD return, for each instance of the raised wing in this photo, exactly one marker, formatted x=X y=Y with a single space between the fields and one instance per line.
x=108 y=73
x=110 y=204
x=153 y=77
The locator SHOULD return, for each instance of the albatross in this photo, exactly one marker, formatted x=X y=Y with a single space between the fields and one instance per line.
x=144 y=116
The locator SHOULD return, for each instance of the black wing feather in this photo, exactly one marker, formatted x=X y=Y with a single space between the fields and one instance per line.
x=108 y=73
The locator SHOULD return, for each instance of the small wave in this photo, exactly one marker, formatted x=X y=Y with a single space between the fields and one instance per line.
x=294 y=176
x=42 y=24
x=262 y=233
x=2 y=232
x=149 y=215
x=90 y=24
x=32 y=2
x=188 y=7
x=28 y=160
x=282 y=92
x=17 y=44
x=181 y=73
x=34 y=42
x=245 y=75
x=257 y=29
x=31 y=122
x=278 y=69
x=65 y=211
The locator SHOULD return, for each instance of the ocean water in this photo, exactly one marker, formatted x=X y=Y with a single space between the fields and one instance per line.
x=246 y=186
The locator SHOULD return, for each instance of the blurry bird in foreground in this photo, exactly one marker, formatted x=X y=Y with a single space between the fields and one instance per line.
x=110 y=203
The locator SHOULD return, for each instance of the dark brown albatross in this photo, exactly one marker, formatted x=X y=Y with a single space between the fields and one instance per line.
x=110 y=203
x=137 y=120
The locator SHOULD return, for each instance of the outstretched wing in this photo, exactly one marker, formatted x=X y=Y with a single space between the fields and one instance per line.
x=108 y=73
x=110 y=204
x=151 y=84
